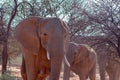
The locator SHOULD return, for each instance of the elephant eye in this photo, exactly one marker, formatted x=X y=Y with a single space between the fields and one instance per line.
x=45 y=34
x=65 y=35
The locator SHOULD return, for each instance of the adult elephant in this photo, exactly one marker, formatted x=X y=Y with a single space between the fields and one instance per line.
x=109 y=63
x=36 y=34
x=82 y=61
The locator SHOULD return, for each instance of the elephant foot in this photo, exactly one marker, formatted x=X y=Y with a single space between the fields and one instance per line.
x=72 y=74
x=24 y=76
x=42 y=76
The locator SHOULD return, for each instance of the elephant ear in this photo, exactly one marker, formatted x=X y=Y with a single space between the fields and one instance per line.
x=76 y=57
x=26 y=35
x=81 y=54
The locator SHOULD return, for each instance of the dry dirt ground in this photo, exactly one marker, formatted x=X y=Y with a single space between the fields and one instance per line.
x=15 y=71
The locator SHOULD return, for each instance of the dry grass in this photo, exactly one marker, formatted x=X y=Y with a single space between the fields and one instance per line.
x=15 y=72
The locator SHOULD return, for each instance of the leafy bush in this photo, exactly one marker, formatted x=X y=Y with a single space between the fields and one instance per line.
x=7 y=76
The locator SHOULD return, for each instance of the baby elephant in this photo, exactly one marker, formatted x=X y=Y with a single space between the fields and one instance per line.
x=81 y=59
x=42 y=64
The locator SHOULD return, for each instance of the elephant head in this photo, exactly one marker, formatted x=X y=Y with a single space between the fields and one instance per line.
x=35 y=33
x=76 y=53
x=82 y=59
x=73 y=54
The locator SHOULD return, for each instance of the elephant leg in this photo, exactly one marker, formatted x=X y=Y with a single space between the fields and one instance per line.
x=66 y=72
x=92 y=74
x=81 y=77
x=102 y=65
x=110 y=76
x=30 y=64
x=43 y=74
x=56 y=63
x=117 y=75
x=113 y=74
x=23 y=70
x=102 y=72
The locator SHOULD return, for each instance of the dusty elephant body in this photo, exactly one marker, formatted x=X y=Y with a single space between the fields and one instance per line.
x=82 y=61
x=38 y=36
x=113 y=70
x=43 y=66
x=110 y=63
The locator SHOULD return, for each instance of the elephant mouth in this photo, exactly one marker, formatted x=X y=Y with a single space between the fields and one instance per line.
x=66 y=61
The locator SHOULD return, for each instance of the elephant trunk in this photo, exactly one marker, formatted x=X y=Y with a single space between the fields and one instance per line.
x=66 y=73
x=56 y=62
x=55 y=68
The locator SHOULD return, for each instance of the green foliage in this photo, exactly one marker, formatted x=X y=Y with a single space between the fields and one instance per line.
x=7 y=76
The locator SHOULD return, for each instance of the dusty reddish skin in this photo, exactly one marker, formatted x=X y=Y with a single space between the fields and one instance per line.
x=36 y=35
x=43 y=66
x=83 y=61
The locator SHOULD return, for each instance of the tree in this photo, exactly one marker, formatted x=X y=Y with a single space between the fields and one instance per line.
x=6 y=35
x=105 y=14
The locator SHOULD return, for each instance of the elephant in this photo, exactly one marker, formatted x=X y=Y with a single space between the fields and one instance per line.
x=43 y=42
x=82 y=60
x=109 y=63
x=44 y=66
x=113 y=70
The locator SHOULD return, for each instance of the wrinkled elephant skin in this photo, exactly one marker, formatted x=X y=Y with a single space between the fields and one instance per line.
x=82 y=59
x=40 y=39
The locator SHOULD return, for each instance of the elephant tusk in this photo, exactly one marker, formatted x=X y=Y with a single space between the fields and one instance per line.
x=48 y=55
x=66 y=61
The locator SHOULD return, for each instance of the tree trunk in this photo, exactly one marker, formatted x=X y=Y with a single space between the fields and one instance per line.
x=4 y=57
x=119 y=46
x=4 y=52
